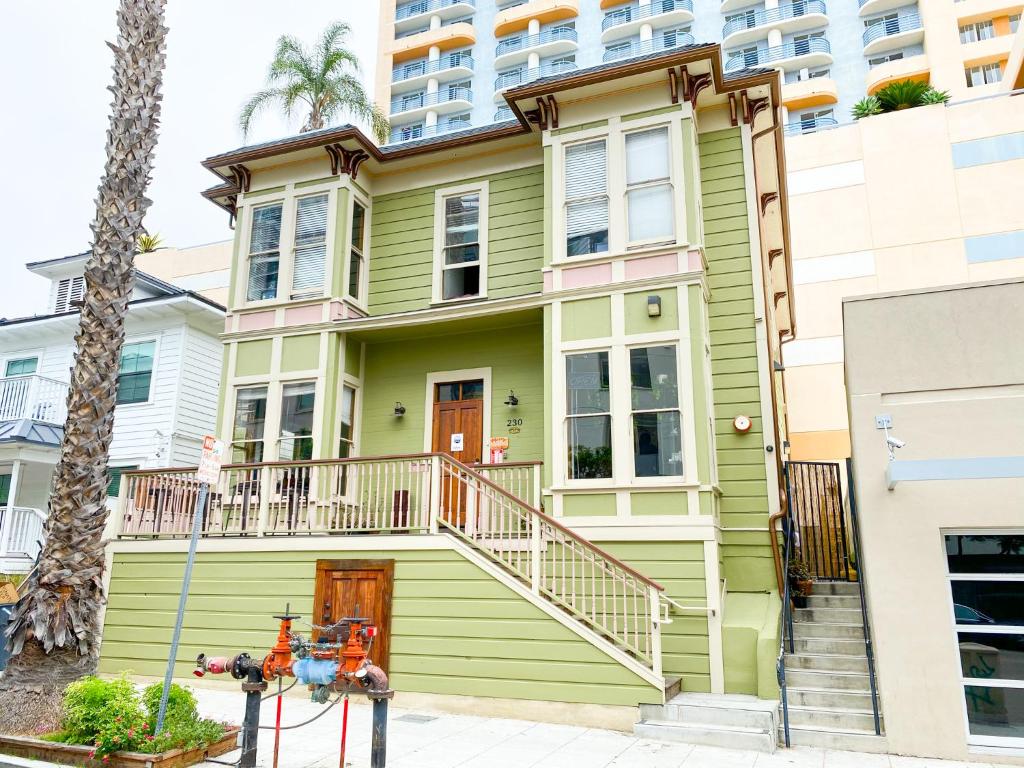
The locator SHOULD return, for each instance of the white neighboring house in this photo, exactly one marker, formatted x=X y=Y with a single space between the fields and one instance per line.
x=167 y=393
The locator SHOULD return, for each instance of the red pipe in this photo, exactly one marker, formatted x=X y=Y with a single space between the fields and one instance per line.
x=344 y=731
x=277 y=723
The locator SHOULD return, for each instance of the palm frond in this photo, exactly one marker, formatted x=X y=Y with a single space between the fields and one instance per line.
x=348 y=96
x=256 y=104
x=904 y=94
x=866 y=107
x=332 y=38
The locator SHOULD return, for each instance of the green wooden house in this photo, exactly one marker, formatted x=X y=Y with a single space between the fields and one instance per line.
x=511 y=391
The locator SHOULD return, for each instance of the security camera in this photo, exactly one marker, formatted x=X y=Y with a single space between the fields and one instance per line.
x=894 y=442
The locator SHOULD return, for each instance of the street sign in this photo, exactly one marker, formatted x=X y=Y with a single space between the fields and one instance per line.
x=210 y=459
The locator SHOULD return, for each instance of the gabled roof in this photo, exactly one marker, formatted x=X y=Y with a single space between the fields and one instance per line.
x=29 y=431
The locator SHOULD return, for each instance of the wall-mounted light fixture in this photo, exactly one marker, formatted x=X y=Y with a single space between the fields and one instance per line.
x=654 y=306
x=511 y=401
x=777 y=366
x=399 y=409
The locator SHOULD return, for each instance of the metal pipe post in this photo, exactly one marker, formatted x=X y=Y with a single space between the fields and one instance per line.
x=254 y=686
x=197 y=525
x=379 y=739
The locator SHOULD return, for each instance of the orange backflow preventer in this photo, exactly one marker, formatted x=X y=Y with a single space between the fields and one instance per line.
x=353 y=655
x=278 y=663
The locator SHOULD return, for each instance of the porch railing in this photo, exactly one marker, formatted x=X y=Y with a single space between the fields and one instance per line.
x=33 y=397
x=23 y=533
x=491 y=507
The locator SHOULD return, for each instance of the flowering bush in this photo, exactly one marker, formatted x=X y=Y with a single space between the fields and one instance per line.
x=111 y=716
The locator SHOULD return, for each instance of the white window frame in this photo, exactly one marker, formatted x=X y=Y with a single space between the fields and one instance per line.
x=671 y=179
x=483 y=189
x=678 y=408
x=1006 y=742
x=614 y=134
x=314 y=436
x=156 y=367
x=307 y=293
x=287 y=213
x=363 y=300
x=567 y=418
x=233 y=413
x=22 y=355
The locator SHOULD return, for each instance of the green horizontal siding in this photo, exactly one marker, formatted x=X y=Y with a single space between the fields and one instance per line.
x=402 y=241
x=455 y=630
x=747 y=557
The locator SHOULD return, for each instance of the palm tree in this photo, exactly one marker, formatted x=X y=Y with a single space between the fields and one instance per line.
x=55 y=626
x=905 y=94
x=317 y=80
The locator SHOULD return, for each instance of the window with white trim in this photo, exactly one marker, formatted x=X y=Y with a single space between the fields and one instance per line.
x=986 y=579
x=310 y=245
x=69 y=291
x=588 y=416
x=135 y=372
x=979 y=30
x=264 y=253
x=1014 y=23
x=460 y=251
x=296 y=439
x=249 y=424
x=656 y=418
x=649 y=198
x=346 y=446
x=24 y=366
x=586 y=198
x=356 y=260
x=983 y=75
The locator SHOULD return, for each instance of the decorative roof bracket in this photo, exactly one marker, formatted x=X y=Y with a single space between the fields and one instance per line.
x=242 y=177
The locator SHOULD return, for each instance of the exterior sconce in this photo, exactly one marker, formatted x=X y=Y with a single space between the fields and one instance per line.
x=511 y=401
x=777 y=366
x=399 y=409
x=654 y=306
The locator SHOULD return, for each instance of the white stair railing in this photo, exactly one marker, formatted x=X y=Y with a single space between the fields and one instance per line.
x=591 y=585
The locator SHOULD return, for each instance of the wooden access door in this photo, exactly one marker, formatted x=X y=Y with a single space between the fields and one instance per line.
x=458 y=410
x=357 y=588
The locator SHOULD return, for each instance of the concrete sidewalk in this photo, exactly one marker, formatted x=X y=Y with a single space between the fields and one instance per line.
x=426 y=739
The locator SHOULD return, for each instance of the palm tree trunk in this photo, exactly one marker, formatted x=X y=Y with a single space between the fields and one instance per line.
x=55 y=627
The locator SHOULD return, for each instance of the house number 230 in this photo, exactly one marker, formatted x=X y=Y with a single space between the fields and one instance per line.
x=513 y=422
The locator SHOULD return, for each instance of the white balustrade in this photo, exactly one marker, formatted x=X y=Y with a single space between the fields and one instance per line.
x=33 y=397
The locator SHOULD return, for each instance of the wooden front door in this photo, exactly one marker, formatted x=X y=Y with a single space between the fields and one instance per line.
x=357 y=588
x=458 y=410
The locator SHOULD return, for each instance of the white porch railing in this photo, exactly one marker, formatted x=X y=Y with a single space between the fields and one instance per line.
x=33 y=397
x=23 y=533
x=422 y=493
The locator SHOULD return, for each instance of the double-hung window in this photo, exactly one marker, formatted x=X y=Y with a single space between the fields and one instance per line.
x=649 y=186
x=135 y=375
x=310 y=245
x=460 y=257
x=24 y=366
x=264 y=253
x=657 y=423
x=250 y=421
x=356 y=260
x=346 y=447
x=588 y=416
x=296 y=440
x=586 y=198
x=986 y=580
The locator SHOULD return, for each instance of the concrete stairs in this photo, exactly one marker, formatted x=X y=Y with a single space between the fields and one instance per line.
x=734 y=721
x=827 y=683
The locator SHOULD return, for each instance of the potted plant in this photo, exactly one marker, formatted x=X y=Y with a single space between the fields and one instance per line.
x=800 y=584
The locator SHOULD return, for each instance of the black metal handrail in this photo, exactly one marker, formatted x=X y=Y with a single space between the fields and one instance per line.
x=868 y=647
x=786 y=615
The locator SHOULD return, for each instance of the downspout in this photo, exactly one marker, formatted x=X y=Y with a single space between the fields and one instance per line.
x=776 y=127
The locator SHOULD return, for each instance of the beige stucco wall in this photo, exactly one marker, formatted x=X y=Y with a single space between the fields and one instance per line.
x=879 y=206
x=944 y=364
x=204 y=269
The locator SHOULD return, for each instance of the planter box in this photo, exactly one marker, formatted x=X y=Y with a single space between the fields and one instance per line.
x=74 y=754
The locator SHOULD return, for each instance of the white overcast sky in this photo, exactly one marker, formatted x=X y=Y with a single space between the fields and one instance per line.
x=56 y=69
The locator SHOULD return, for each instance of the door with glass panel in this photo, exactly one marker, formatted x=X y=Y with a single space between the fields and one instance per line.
x=458 y=431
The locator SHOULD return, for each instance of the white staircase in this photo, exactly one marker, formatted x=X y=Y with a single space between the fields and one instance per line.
x=737 y=722
x=827 y=678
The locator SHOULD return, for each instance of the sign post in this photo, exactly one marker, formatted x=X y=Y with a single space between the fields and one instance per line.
x=209 y=469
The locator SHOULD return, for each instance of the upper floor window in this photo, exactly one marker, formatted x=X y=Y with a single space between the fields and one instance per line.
x=69 y=291
x=979 y=30
x=24 y=366
x=264 y=252
x=297 y=403
x=346 y=446
x=250 y=420
x=460 y=269
x=135 y=375
x=1014 y=23
x=984 y=74
x=586 y=198
x=310 y=245
x=355 y=259
x=648 y=186
x=877 y=60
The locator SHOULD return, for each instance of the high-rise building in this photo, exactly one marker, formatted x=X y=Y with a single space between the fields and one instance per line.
x=445 y=63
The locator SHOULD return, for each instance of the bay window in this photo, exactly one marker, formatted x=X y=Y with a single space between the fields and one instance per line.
x=586 y=198
x=250 y=420
x=656 y=420
x=648 y=186
x=310 y=245
x=589 y=420
x=264 y=253
x=296 y=434
x=355 y=259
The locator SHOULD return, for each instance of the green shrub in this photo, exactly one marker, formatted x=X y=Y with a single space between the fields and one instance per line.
x=111 y=716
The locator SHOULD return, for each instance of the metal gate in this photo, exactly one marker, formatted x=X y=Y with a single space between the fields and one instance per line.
x=818 y=515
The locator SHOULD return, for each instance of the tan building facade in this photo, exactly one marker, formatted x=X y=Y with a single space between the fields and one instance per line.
x=205 y=269
x=942 y=518
x=924 y=197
